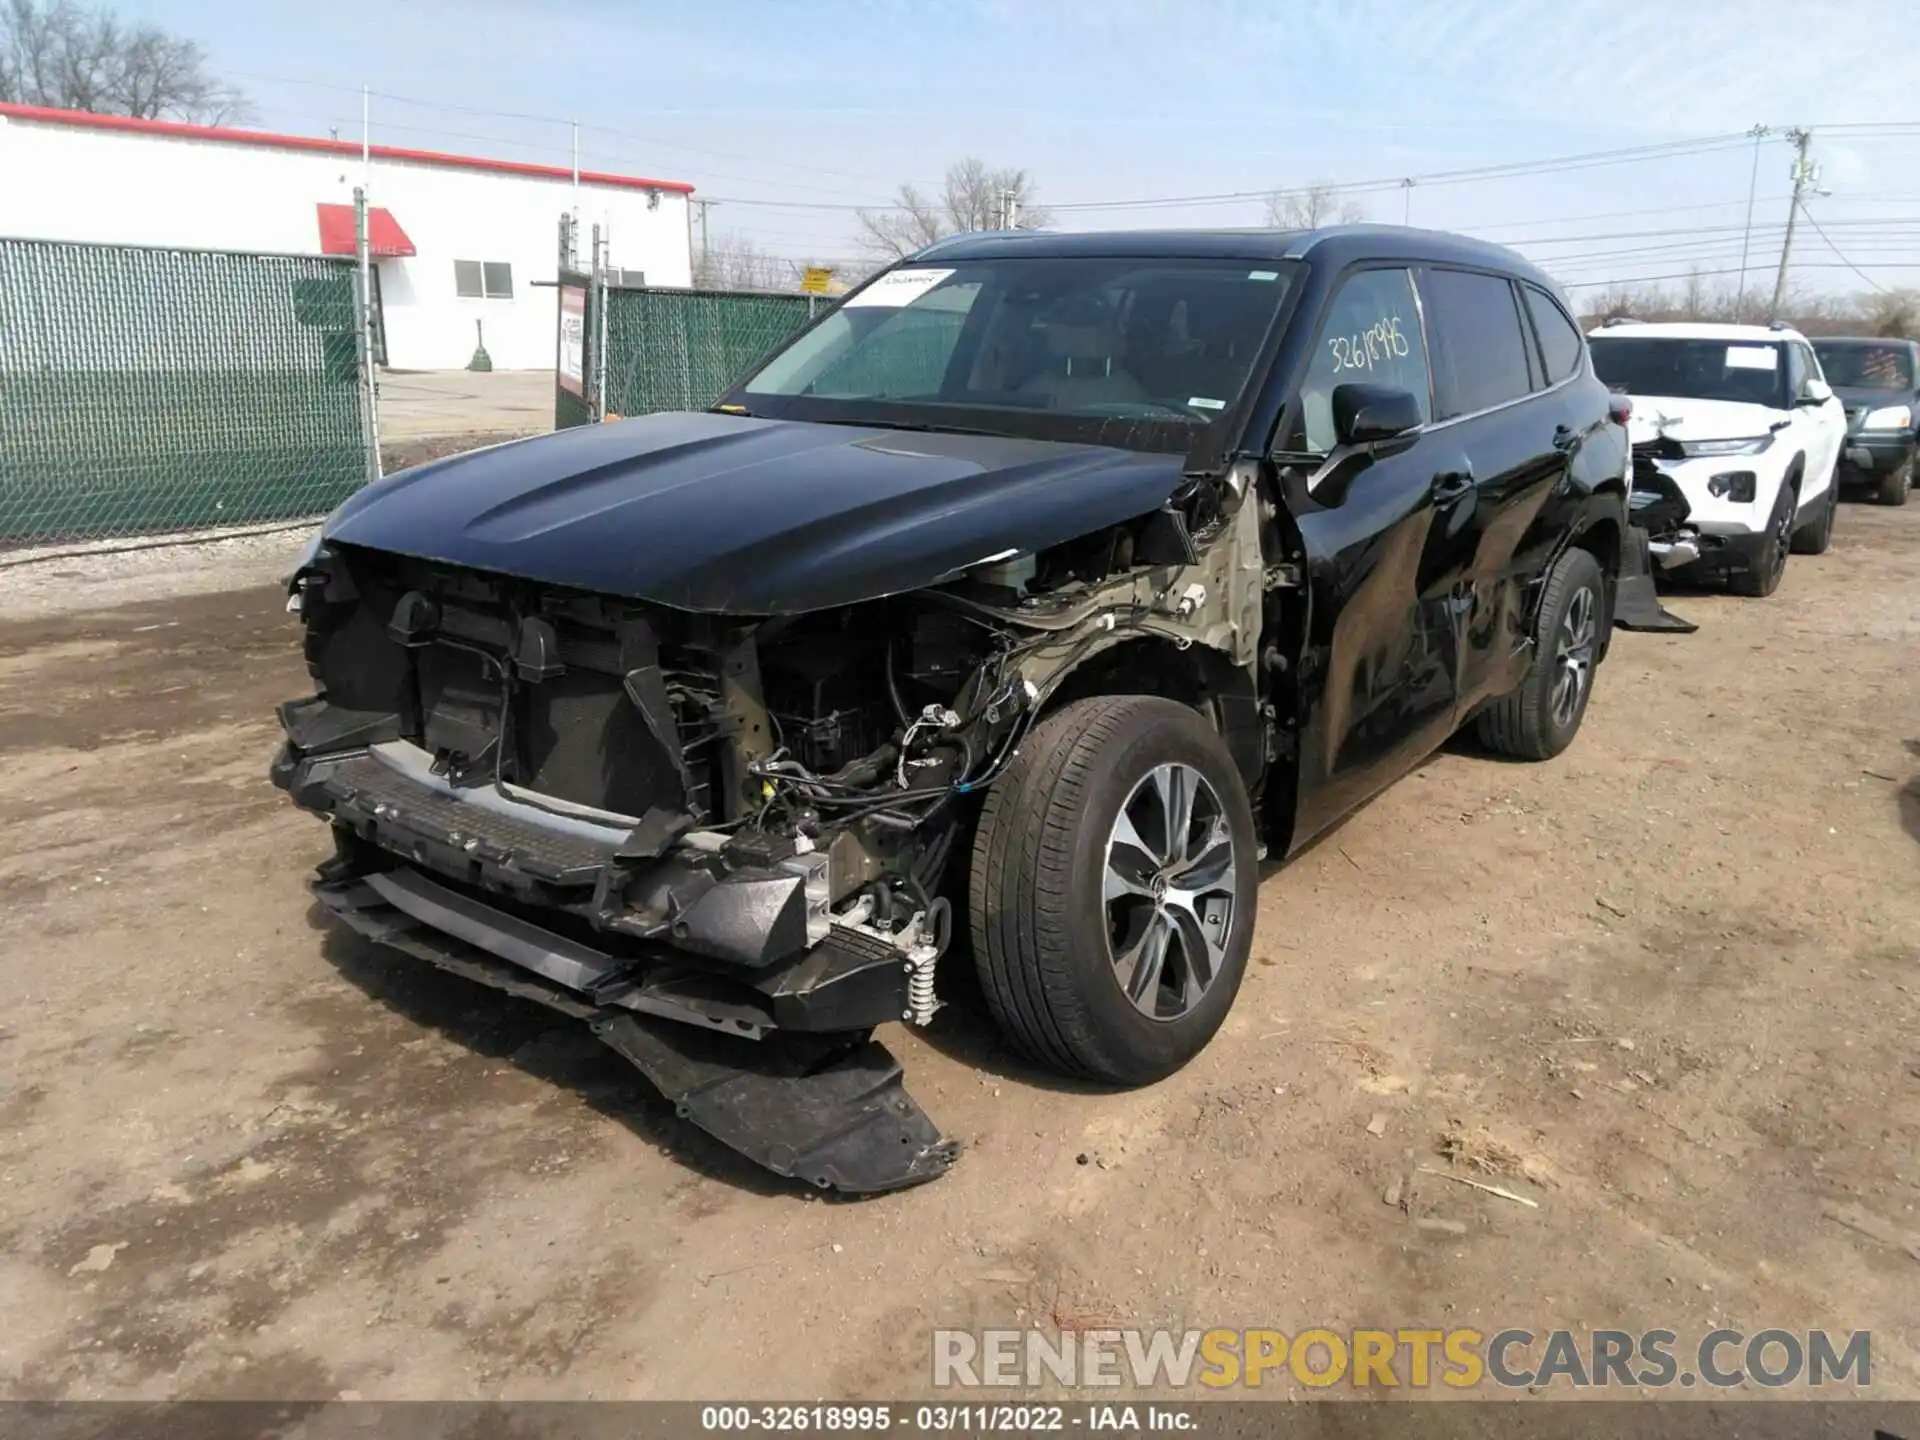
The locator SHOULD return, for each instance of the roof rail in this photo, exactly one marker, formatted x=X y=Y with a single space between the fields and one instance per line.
x=1621 y=320
x=1778 y=325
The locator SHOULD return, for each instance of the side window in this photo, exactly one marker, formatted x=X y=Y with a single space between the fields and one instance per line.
x=1560 y=342
x=1371 y=336
x=1809 y=363
x=1480 y=352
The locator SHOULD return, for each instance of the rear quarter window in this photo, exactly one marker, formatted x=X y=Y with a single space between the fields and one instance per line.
x=1479 y=349
x=1560 y=342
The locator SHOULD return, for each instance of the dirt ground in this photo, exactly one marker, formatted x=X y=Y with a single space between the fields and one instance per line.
x=1666 y=986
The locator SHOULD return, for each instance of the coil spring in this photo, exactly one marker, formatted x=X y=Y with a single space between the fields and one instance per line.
x=937 y=925
x=921 y=1001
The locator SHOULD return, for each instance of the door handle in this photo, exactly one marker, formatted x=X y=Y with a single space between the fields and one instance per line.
x=1452 y=484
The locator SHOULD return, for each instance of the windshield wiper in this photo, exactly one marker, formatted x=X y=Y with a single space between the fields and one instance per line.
x=918 y=426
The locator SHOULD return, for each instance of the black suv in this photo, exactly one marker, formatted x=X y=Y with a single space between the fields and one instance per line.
x=1029 y=598
x=1879 y=383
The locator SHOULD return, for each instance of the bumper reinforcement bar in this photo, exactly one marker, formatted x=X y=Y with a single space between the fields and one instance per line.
x=830 y=1110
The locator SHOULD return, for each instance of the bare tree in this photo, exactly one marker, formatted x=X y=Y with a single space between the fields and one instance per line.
x=1887 y=312
x=1892 y=312
x=974 y=196
x=1311 y=208
x=55 y=53
x=734 y=262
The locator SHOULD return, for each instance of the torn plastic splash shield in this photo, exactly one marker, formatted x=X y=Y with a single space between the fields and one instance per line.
x=845 y=1124
x=1636 y=604
x=831 y=1110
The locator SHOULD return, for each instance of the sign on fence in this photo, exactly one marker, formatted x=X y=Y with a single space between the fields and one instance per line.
x=573 y=339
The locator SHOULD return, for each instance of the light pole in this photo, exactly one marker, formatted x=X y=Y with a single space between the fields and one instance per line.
x=1406 y=200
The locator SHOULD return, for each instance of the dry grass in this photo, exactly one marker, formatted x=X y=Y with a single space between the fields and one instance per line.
x=1476 y=1149
x=1360 y=1052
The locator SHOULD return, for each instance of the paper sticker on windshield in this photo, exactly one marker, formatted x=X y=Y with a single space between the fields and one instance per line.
x=1263 y=274
x=1752 y=357
x=895 y=291
x=1201 y=402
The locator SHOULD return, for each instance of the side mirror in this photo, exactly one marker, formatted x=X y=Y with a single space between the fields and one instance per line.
x=1369 y=414
x=1818 y=392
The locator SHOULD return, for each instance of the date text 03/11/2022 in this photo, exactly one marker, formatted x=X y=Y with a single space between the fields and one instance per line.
x=966 y=1419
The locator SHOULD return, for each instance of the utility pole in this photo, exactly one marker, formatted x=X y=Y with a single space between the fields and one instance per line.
x=1804 y=173
x=1759 y=133
x=706 y=250
x=1406 y=200
x=1009 y=210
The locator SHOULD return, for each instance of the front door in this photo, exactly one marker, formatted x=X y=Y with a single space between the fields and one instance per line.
x=1823 y=425
x=1386 y=554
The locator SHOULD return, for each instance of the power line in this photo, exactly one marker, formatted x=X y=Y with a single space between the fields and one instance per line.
x=1512 y=169
x=537 y=119
x=1836 y=250
x=1734 y=270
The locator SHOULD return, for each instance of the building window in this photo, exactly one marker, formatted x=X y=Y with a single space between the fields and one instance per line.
x=483 y=280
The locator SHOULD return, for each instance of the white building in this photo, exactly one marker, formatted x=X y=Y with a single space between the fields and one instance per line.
x=457 y=239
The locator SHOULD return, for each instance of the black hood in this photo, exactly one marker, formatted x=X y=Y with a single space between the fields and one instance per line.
x=759 y=517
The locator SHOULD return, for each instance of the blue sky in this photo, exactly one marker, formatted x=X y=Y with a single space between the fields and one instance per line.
x=800 y=107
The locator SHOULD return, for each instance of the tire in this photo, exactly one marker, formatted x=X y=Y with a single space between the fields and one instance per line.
x=1814 y=539
x=1896 y=484
x=1045 y=932
x=1769 y=562
x=1536 y=722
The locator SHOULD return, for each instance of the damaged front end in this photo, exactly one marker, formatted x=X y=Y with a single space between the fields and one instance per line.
x=1659 y=538
x=727 y=843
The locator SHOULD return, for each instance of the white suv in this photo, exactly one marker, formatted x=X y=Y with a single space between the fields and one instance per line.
x=1742 y=420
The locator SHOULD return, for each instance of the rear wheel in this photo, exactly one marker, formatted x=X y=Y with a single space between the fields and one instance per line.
x=1112 y=891
x=1769 y=559
x=1896 y=484
x=1540 y=719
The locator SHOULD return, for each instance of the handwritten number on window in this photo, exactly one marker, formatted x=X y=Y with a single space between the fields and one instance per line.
x=1362 y=350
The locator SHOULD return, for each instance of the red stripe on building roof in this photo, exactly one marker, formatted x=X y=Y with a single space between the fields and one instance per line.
x=175 y=129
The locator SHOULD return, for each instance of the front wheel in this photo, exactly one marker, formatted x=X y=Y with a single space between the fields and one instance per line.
x=1896 y=484
x=1768 y=562
x=1112 y=891
x=1815 y=538
x=1540 y=719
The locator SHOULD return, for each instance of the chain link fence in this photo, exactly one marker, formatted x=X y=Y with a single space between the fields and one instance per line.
x=146 y=390
x=682 y=349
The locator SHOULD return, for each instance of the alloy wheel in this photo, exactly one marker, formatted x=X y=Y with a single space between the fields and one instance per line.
x=1574 y=651
x=1168 y=891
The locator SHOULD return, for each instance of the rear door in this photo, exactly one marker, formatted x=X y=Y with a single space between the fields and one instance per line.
x=1384 y=563
x=1514 y=419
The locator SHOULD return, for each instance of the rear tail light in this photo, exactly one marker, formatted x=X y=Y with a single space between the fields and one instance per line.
x=1619 y=409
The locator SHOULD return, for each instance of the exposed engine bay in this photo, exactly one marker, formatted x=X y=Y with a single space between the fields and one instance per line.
x=752 y=826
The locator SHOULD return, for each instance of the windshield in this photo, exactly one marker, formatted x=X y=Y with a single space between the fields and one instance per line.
x=1867 y=367
x=1749 y=373
x=1138 y=353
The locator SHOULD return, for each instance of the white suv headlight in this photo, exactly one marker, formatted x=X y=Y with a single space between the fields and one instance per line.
x=1888 y=417
x=1752 y=445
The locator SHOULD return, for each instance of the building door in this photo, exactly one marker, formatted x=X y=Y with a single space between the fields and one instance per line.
x=379 y=335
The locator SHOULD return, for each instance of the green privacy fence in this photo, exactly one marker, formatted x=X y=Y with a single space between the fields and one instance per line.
x=146 y=390
x=682 y=349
